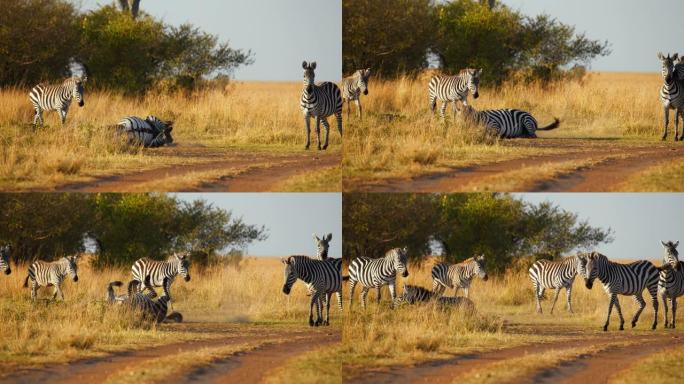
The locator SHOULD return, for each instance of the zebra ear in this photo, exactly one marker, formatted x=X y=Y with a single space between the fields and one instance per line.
x=368 y=71
x=676 y=243
x=304 y=64
x=329 y=237
x=675 y=56
x=660 y=56
x=663 y=243
x=313 y=65
x=285 y=260
x=315 y=236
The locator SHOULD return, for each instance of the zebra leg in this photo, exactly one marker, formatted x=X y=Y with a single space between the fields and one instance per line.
x=358 y=106
x=34 y=290
x=352 y=285
x=667 y=118
x=327 y=132
x=58 y=290
x=307 y=121
x=318 y=131
x=328 y=296
x=38 y=117
x=314 y=301
x=676 y=124
x=339 y=299
x=619 y=311
x=613 y=299
x=442 y=110
x=654 y=302
x=538 y=292
x=642 y=304
x=568 y=293
x=379 y=291
x=338 y=117
x=433 y=104
x=393 y=295
x=364 y=293
x=663 y=295
x=466 y=290
x=674 y=311
x=555 y=298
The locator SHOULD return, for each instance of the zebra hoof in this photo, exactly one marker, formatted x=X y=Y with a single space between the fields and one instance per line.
x=622 y=327
x=311 y=323
x=325 y=147
x=633 y=324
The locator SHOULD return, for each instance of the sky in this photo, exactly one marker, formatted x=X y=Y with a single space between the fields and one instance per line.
x=639 y=220
x=280 y=33
x=290 y=218
x=636 y=29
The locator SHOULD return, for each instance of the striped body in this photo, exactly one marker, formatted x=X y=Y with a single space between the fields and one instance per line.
x=5 y=251
x=150 y=309
x=452 y=89
x=150 y=132
x=319 y=101
x=622 y=279
x=414 y=294
x=44 y=274
x=455 y=276
x=160 y=272
x=322 y=278
x=671 y=281
x=56 y=98
x=547 y=274
x=508 y=123
x=352 y=88
x=672 y=92
x=375 y=273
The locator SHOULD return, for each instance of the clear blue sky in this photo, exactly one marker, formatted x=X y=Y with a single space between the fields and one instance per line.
x=291 y=219
x=639 y=220
x=637 y=29
x=281 y=33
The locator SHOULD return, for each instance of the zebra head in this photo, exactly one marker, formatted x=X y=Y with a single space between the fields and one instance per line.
x=671 y=255
x=667 y=65
x=588 y=267
x=4 y=259
x=309 y=75
x=291 y=274
x=474 y=81
x=77 y=91
x=322 y=245
x=362 y=77
x=183 y=264
x=480 y=268
x=400 y=255
x=72 y=266
x=164 y=127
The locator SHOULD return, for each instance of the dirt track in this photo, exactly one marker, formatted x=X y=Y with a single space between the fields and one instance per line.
x=612 y=163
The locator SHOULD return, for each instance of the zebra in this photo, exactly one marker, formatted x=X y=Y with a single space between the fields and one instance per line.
x=453 y=89
x=547 y=274
x=5 y=251
x=671 y=93
x=322 y=277
x=322 y=246
x=622 y=279
x=459 y=275
x=158 y=271
x=150 y=309
x=671 y=281
x=374 y=273
x=352 y=88
x=319 y=101
x=43 y=273
x=508 y=123
x=414 y=294
x=57 y=97
x=150 y=132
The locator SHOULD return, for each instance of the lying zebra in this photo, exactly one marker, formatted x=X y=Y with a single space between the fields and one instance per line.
x=414 y=294
x=150 y=309
x=508 y=123
x=150 y=132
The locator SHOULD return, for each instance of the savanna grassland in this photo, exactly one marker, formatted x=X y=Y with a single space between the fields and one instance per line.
x=245 y=131
x=504 y=340
x=234 y=315
x=608 y=140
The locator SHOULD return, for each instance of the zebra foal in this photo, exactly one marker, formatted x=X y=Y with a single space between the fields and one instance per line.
x=547 y=274
x=319 y=101
x=44 y=274
x=352 y=88
x=455 y=276
x=5 y=267
x=153 y=273
x=375 y=273
x=58 y=98
x=452 y=89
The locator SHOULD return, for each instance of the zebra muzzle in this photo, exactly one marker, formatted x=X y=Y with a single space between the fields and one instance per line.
x=485 y=278
x=476 y=95
x=286 y=290
x=81 y=103
x=75 y=279
x=405 y=274
x=588 y=283
x=8 y=271
x=365 y=92
x=187 y=278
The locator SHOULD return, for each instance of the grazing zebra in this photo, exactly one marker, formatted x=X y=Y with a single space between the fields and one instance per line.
x=43 y=274
x=352 y=88
x=414 y=294
x=322 y=277
x=455 y=276
x=5 y=251
x=547 y=274
x=319 y=101
x=508 y=123
x=622 y=279
x=150 y=309
x=374 y=273
x=453 y=89
x=159 y=271
x=322 y=246
x=56 y=98
x=671 y=94
x=150 y=132
x=671 y=282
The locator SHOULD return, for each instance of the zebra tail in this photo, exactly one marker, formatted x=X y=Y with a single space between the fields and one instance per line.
x=551 y=126
x=26 y=281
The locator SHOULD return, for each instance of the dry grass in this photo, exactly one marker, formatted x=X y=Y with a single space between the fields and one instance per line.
x=660 y=368
x=262 y=116
x=399 y=136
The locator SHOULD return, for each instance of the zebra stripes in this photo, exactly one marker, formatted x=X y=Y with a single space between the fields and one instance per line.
x=160 y=272
x=414 y=294
x=508 y=123
x=322 y=278
x=56 y=98
x=150 y=132
x=319 y=101
x=322 y=246
x=5 y=267
x=672 y=92
x=671 y=281
x=547 y=274
x=453 y=89
x=352 y=88
x=43 y=274
x=455 y=276
x=621 y=279
x=150 y=309
x=374 y=273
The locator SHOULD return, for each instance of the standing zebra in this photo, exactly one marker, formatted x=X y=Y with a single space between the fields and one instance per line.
x=622 y=279
x=413 y=294
x=5 y=251
x=374 y=273
x=322 y=277
x=322 y=246
x=455 y=276
x=352 y=88
x=56 y=98
x=508 y=123
x=43 y=274
x=319 y=101
x=453 y=89
x=546 y=274
x=159 y=271
x=671 y=93
x=150 y=132
x=671 y=282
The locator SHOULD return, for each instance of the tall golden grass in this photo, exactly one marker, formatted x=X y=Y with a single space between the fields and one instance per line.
x=399 y=134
